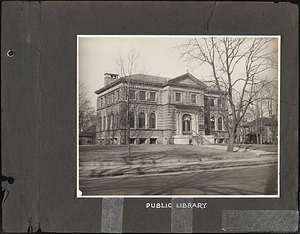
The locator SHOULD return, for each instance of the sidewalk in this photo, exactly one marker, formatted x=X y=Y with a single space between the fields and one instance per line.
x=168 y=162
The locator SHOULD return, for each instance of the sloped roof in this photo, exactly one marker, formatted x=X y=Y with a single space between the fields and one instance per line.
x=147 y=78
x=160 y=81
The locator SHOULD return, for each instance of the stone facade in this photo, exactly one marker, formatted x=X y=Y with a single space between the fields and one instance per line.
x=162 y=111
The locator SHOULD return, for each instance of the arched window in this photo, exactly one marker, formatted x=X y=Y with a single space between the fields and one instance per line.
x=104 y=123
x=112 y=121
x=152 y=120
x=116 y=124
x=219 y=123
x=142 y=120
x=108 y=122
x=131 y=120
x=100 y=123
x=212 y=123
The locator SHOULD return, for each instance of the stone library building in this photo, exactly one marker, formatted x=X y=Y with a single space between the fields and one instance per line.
x=158 y=110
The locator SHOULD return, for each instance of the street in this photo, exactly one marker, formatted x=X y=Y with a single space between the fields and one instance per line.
x=251 y=180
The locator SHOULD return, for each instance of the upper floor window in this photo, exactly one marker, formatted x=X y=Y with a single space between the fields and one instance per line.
x=193 y=98
x=105 y=100
x=219 y=103
x=152 y=96
x=152 y=120
x=132 y=94
x=118 y=95
x=142 y=95
x=212 y=102
x=101 y=102
x=142 y=120
x=205 y=101
x=178 y=97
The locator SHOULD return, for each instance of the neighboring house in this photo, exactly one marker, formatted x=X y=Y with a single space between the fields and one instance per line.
x=182 y=110
x=88 y=136
x=262 y=130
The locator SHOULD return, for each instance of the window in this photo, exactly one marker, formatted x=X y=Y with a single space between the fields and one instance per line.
x=132 y=94
x=212 y=123
x=105 y=100
x=118 y=95
x=104 y=123
x=212 y=102
x=219 y=123
x=131 y=119
x=100 y=124
x=178 y=97
x=152 y=120
x=112 y=98
x=152 y=96
x=205 y=101
x=108 y=122
x=101 y=102
x=116 y=124
x=193 y=98
x=142 y=95
x=142 y=120
x=219 y=103
x=112 y=121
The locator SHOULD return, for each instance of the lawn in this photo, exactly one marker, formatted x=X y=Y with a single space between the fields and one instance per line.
x=156 y=153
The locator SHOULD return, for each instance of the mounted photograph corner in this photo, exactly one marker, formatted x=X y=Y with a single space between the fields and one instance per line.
x=167 y=116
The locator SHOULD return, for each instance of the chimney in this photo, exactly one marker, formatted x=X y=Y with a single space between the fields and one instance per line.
x=109 y=78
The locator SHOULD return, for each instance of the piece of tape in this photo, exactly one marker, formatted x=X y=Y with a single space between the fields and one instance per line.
x=181 y=217
x=260 y=220
x=112 y=215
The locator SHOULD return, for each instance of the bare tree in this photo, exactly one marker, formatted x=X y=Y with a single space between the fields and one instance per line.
x=128 y=65
x=238 y=66
x=265 y=105
x=86 y=110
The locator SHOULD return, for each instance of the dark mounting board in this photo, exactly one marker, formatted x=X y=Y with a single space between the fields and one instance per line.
x=39 y=115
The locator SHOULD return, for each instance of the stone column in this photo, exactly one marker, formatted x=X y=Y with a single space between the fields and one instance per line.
x=193 y=123
x=223 y=123
x=146 y=119
x=216 y=123
x=180 y=123
x=197 y=123
x=177 y=124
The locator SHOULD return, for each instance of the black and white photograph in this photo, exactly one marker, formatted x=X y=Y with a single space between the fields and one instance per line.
x=167 y=116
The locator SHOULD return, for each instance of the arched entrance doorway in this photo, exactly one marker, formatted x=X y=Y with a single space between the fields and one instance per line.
x=186 y=124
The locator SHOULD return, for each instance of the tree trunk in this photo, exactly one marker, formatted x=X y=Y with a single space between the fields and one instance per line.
x=230 y=143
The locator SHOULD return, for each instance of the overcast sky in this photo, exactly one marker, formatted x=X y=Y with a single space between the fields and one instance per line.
x=158 y=56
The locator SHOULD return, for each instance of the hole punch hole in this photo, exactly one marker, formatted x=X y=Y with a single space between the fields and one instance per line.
x=10 y=53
